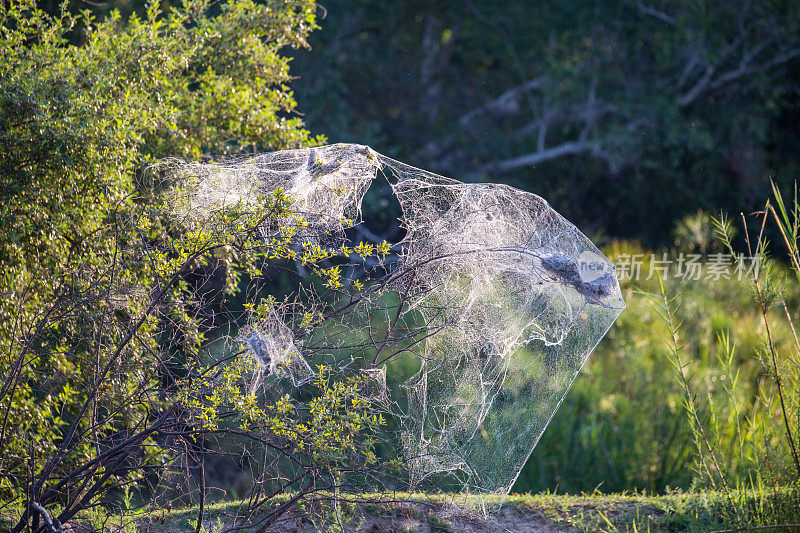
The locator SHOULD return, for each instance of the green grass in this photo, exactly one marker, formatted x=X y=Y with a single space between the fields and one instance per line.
x=677 y=511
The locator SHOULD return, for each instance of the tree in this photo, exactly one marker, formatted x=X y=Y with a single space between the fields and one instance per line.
x=149 y=403
x=81 y=314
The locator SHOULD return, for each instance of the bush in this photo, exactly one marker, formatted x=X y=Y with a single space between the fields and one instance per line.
x=92 y=266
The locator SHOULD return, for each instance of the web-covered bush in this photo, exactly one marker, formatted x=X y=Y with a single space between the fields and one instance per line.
x=498 y=298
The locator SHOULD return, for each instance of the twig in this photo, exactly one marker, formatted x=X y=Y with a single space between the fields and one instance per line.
x=771 y=342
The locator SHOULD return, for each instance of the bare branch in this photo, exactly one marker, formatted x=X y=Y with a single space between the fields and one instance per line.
x=747 y=65
x=541 y=156
x=507 y=103
x=660 y=15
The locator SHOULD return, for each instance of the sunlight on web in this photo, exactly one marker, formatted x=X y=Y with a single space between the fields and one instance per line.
x=271 y=346
x=499 y=298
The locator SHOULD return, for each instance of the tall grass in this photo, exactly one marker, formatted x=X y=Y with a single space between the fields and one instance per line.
x=708 y=465
x=782 y=365
x=760 y=440
x=716 y=406
x=624 y=426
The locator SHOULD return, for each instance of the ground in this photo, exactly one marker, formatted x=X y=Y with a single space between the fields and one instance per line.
x=679 y=511
x=526 y=513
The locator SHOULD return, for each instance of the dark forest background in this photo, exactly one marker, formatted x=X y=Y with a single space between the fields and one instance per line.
x=625 y=115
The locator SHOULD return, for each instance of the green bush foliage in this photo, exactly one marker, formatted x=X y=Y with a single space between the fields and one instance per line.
x=85 y=105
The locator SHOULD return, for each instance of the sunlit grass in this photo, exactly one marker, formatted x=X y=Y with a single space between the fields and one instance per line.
x=676 y=511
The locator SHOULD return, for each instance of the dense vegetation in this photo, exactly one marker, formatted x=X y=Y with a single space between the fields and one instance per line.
x=623 y=425
x=626 y=117
x=95 y=274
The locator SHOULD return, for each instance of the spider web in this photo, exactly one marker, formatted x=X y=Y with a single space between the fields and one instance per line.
x=499 y=297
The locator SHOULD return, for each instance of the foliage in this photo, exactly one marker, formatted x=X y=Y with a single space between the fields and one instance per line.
x=331 y=430
x=106 y=295
x=623 y=424
x=120 y=404
x=724 y=418
x=95 y=271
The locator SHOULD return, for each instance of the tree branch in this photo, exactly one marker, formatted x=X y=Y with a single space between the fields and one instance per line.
x=708 y=82
x=507 y=103
x=540 y=156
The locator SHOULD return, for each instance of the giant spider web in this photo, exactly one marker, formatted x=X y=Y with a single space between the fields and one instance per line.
x=498 y=298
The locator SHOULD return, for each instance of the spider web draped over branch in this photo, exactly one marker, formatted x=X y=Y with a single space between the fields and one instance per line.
x=327 y=184
x=498 y=297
